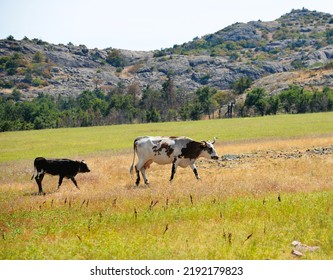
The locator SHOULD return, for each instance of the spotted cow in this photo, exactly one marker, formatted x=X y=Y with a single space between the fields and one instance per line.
x=180 y=151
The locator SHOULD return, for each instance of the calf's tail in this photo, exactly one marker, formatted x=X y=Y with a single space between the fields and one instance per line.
x=33 y=174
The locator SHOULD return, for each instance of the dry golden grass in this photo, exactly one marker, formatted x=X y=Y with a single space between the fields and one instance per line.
x=300 y=77
x=259 y=174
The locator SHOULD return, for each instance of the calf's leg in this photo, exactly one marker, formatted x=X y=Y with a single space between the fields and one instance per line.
x=39 y=179
x=60 y=181
x=75 y=183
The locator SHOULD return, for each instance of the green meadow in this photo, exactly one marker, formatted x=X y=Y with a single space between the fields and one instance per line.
x=89 y=140
x=242 y=228
x=244 y=210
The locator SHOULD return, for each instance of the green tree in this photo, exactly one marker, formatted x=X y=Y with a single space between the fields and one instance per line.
x=288 y=99
x=169 y=92
x=273 y=105
x=328 y=93
x=322 y=101
x=206 y=102
x=86 y=99
x=10 y=38
x=195 y=111
x=241 y=84
x=257 y=98
x=151 y=98
x=303 y=101
x=184 y=112
x=153 y=115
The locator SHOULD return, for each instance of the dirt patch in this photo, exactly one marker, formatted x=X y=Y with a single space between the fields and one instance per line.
x=228 y=160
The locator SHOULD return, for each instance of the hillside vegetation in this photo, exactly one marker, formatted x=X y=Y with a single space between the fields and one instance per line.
x=284 y=65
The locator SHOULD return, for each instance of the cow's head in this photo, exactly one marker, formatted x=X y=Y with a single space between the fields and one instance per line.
x=208 y=150
x=83 y=167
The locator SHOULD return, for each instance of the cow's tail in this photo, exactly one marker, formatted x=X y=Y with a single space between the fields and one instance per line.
x=134 y=151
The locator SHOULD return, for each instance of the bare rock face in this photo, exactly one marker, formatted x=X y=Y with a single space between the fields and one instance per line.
x=323 y=55
x=257 y=50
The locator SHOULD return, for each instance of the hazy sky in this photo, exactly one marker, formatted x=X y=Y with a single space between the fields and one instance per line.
x=136 y=24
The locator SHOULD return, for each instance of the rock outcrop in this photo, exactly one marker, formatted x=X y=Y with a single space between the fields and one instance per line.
x=257 y=50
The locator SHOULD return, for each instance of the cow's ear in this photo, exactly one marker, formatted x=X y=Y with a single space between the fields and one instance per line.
x=203 y=144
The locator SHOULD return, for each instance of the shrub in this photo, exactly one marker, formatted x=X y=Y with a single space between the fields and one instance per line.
x=36 y=82
x=115 y=59
x=38 y=57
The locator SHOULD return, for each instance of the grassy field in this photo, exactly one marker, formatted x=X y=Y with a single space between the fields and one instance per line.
x=92 y=140
x=279 y=189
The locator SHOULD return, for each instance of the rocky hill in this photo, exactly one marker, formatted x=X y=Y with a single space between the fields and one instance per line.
x=296 y=48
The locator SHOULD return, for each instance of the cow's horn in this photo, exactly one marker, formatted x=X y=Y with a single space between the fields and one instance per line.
x=214 y=141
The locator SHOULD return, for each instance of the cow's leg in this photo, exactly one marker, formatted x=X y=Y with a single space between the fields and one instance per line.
x=60 y=181
x=75 y=183
x=39 y=179
x=141 y=167
x=137 y=182
x=143 y=172
x=195 y=171
x=173 y=169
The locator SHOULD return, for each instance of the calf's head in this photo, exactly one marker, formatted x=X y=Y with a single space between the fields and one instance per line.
x=208 y=150
x=83 y=167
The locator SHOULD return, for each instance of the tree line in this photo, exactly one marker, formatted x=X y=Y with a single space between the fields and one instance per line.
x=294 y=100
x=118 y=105
x=130 y=104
